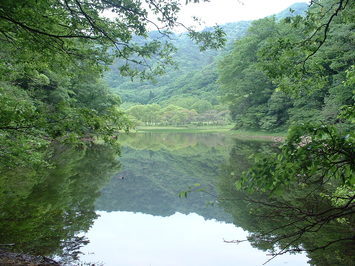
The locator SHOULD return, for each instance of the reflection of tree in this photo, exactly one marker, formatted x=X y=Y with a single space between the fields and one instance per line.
x=173 y=141
x=159 y=166
x=153 y=180
x=44 y=210
x=300 y=218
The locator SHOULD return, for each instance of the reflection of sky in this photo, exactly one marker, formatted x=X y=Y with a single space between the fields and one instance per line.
x=137 y=239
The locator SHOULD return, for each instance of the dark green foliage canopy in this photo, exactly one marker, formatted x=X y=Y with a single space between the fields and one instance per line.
x=293 y=70
x=285 y=206
x=247 y=88
x=302 y=197
x=193 y=73
x=53 y=54
x=195 y=78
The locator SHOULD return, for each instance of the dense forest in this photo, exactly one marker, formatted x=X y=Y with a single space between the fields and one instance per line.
x=66 y=88
x=247 y=80
x=271 y=79
x=186 y=93
x=53 y=56
x=298 y=74
x=189 y=92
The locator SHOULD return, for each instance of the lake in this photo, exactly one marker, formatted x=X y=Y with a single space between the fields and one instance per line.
x=144 y=222
x=121 y=206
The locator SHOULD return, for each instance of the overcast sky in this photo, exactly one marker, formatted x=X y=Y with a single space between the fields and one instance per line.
x=223 y=11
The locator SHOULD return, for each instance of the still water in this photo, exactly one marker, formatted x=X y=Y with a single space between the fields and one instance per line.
x=142 y=221
x=128 y=238
x=121 y=206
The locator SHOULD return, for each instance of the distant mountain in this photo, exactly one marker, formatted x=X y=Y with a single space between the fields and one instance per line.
x=196 y=74
x=298 y=9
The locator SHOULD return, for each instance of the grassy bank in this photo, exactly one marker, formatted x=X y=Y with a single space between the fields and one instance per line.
x=184 y=129
x=258 y=135
x=242 y=134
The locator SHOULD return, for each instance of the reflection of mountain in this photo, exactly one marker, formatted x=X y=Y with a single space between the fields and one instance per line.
x=154 y=177
x=161 y=166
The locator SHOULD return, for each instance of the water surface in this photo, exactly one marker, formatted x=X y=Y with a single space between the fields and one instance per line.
x=121 y=206
x=144 y=222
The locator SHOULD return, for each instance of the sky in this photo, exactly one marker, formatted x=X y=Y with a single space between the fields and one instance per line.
x=224 y=11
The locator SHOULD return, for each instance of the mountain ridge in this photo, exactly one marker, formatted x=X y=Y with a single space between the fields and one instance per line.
x=196 y=74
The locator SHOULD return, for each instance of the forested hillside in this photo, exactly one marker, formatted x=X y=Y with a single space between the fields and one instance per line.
x=188 y=92
x=179 y=79
x=61 y=124
x=263 y=89
x=297 y=73
x=53 y=55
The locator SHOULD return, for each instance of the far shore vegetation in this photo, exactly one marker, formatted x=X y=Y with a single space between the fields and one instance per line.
x=225 y=129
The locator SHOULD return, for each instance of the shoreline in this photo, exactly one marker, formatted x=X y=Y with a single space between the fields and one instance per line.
x=227 y=130
x=12 y=258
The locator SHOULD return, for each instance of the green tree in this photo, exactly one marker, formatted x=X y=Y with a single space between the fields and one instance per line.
x=53 y=54
x=301 y=198
x=245 y=87
x=306 y=57
x=304 y=215
x=312 y=65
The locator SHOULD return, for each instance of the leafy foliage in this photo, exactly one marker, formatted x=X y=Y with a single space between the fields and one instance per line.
x=312 y=154
x=305 y=215
x=300 y=198
x=53 y=54
x=278 y=76
x=244 y=86
x=154 y=114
